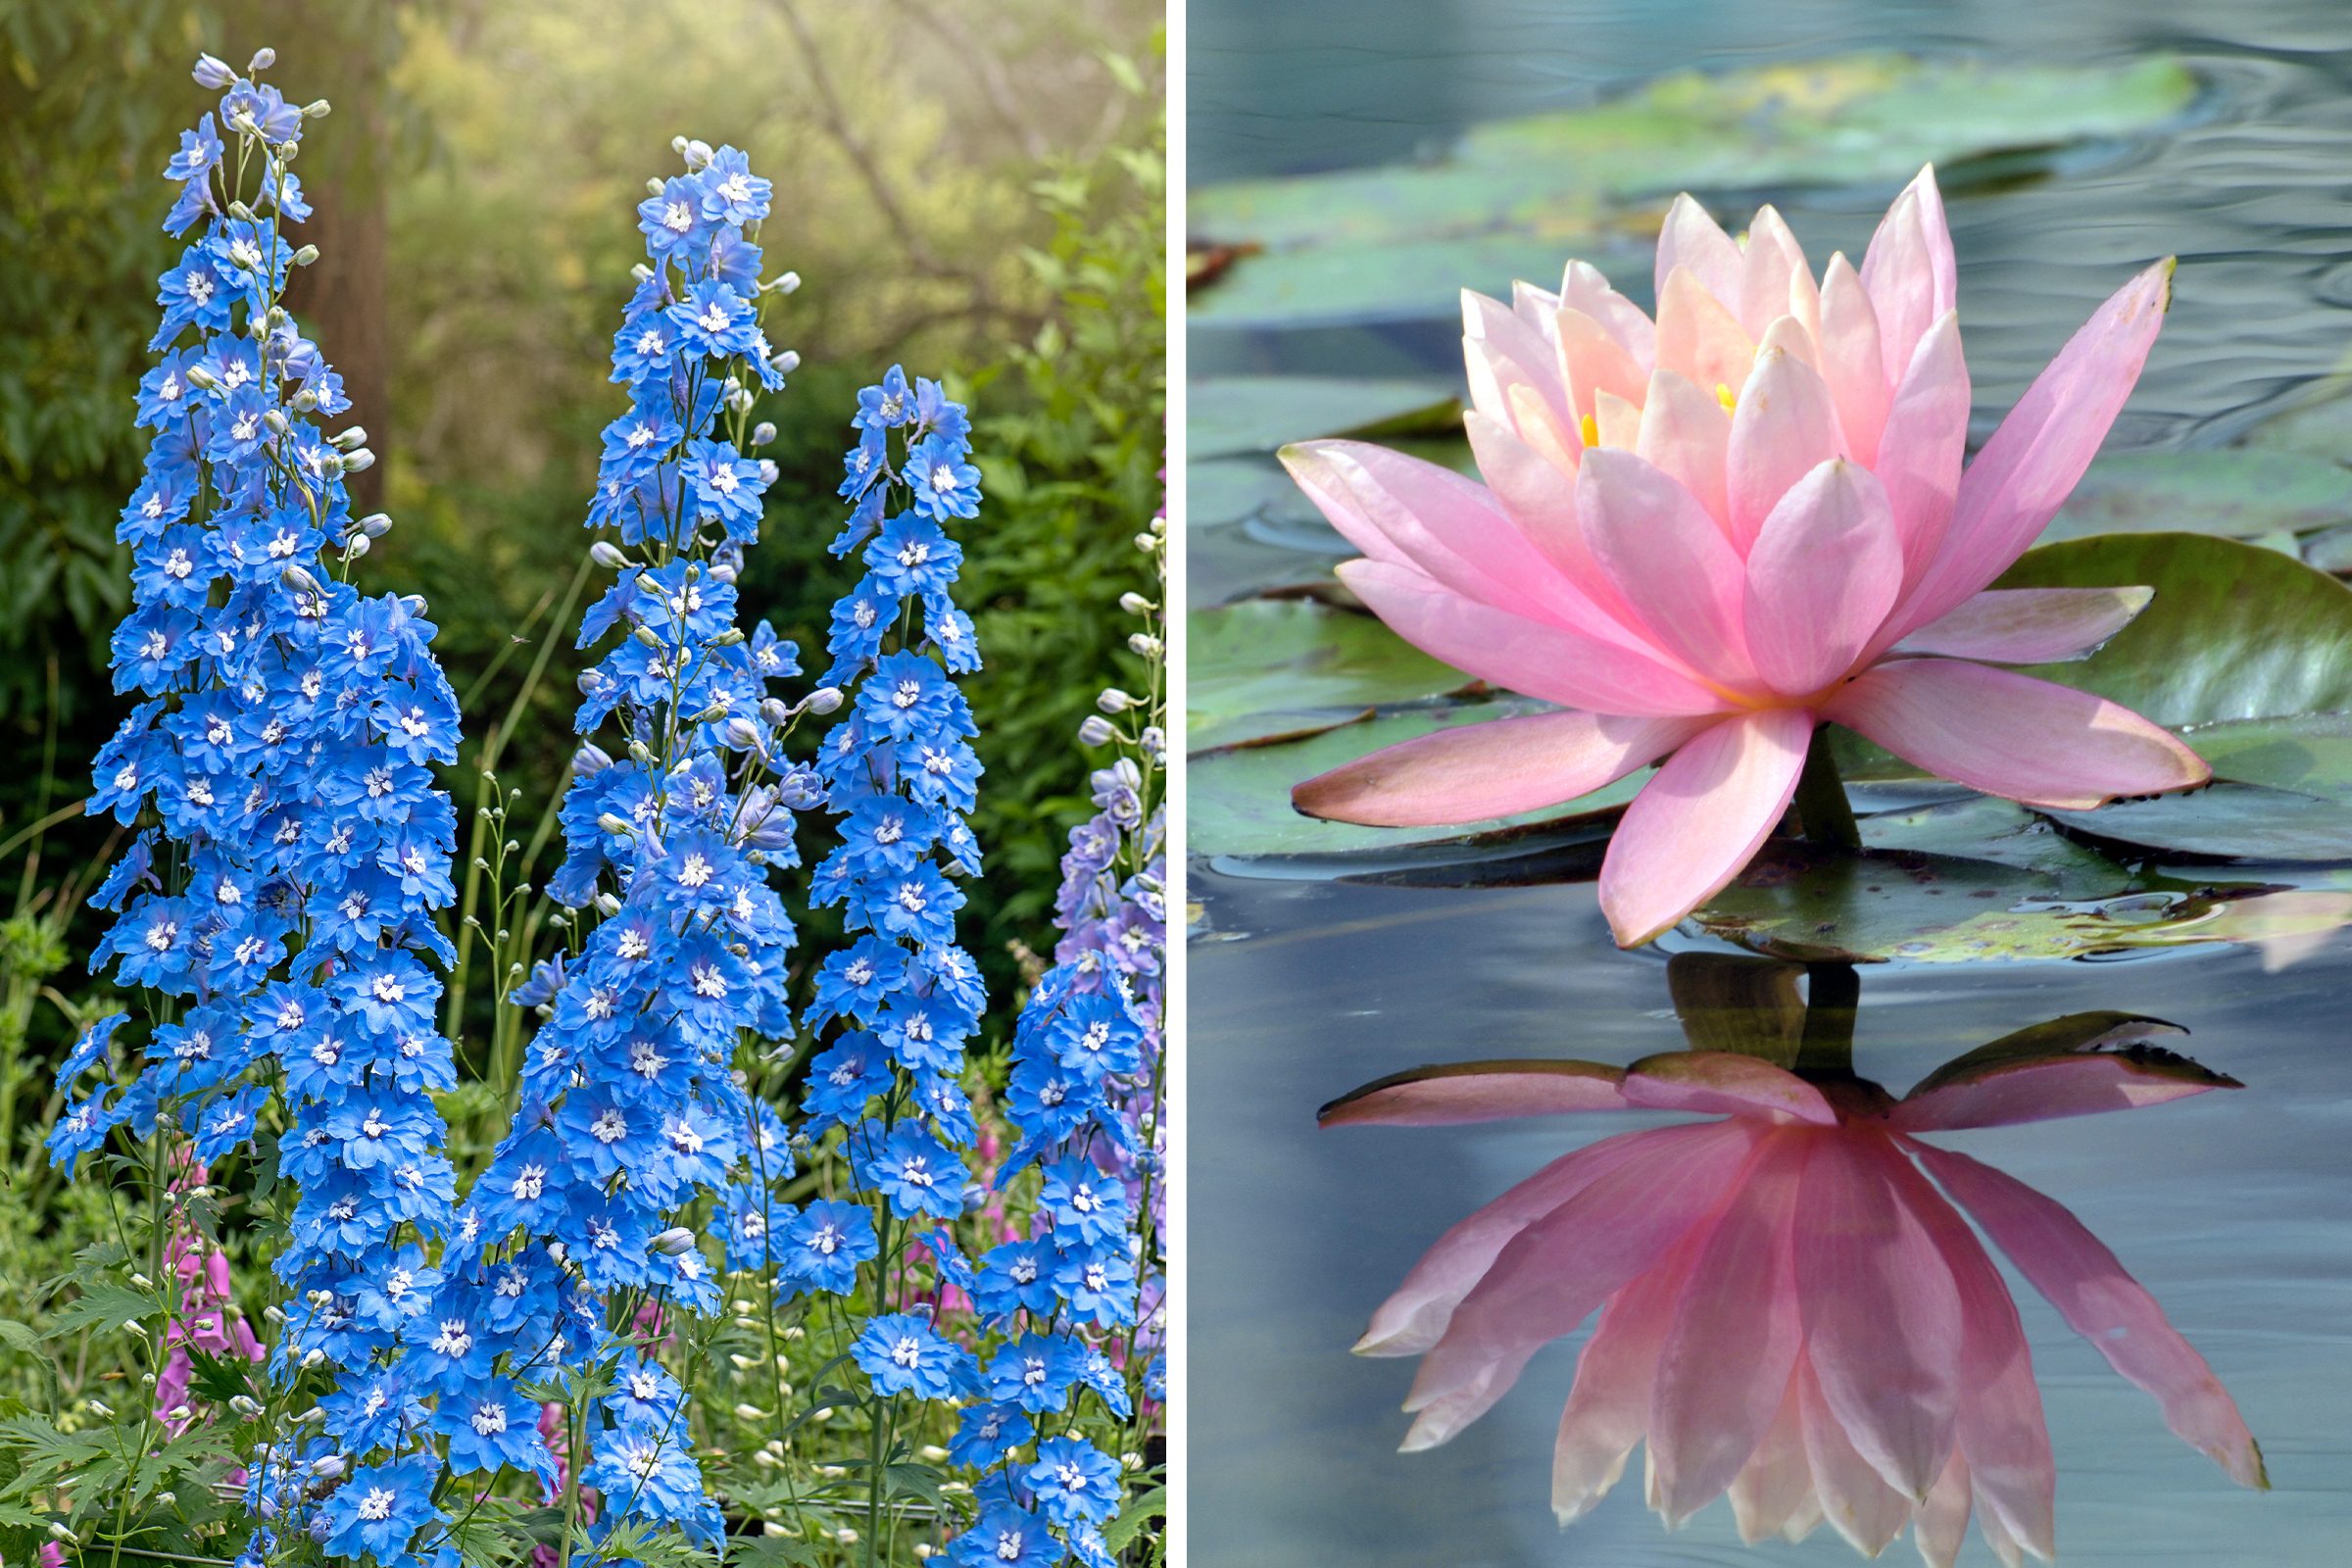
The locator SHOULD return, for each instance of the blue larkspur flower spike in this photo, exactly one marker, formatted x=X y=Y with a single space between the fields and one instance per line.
x=278 y=901
x=566 y=1252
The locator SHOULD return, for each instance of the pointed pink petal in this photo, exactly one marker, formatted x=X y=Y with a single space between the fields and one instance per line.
x=1475 y=773
x=1592 y=362
x=1940 y=1529
x=1789 y=335
x=1542 y=659
x=1538 y=494
x=1775 y=280
x=1777 y=1481
x=2030 y=466
x=1608 y=1410
x=1684 y=434
x=1921 y=446
x=2030 y=625
x=1855 y=1498
x=2000 y=1426
x=1724 y=1083
x=1689 y=238
x=1825 y=570
x=1850 y=361
x=1552 y=1274
x=1415 y=1314
x=1996 y=1536
x=2014 y=736
x=1783 y=429
x=2084 y=1083
x=1535 y=308
x=1584 y=288
x=1408 y=512
x=1668 y=561
x=1700 y=338
x=2104 y=1304
x=1734 y=1341
x=1909 y=270
x=1501 y=351
x=1882 y=1315
x=1478 y=1091
x=1701 y=820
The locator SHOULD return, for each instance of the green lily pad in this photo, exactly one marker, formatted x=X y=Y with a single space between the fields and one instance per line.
x=1257 y=667
x=2319 y=426
x=1514 y=198
x=1226 y=415
x=2330 y=550
x=2238 y=494
x=2307 y=752
x=1240 y=796
x=2235 y=631
x=1984 y=830
x=1225 y=490
x=2227 y=821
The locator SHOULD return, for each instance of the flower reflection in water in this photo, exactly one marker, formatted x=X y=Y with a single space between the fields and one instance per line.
x=1790 y=1310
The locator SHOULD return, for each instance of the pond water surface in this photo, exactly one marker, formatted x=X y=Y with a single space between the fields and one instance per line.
x=2234 y=1208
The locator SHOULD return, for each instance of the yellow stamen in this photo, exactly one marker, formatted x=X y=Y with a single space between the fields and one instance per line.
x=1590 y=428
x=1726 y=396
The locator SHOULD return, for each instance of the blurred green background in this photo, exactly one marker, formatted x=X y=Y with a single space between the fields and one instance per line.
x=976 y=192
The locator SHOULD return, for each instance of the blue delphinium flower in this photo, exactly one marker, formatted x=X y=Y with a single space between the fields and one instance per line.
x=278 y=903
x=629 y=1110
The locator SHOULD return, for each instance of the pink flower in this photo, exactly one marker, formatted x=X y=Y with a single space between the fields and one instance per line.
x=1706 y=535
x=1789 y=1310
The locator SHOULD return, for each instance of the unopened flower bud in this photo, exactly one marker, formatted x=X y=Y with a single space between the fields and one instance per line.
x=742 y=734
x=674 y=1241
x=641 y=273
x=823 y=700
x=262 y=59
x=787 y=361
x=647 y=636
x=305 y=255
x=1114 y=700
x=606 y=905
x=605 y=553
x=358 y=461
x=1135 y=603
x=589 y=681
x=305 y=400
x=1146 y=542
x=1096 y=731
x=348 y=440
x=785 y=282
x=763 y=433
x=769 y=471
x=312 y=1356
x=213 y=75
x=774 y=711
x=653 y=188
x=375 y=524
x=316 y=109
x=200 y=377
x=698 y=154
x=589 y=760
x=618 y=826
x=1144 y=644
x=356 y=545
x=298 y=578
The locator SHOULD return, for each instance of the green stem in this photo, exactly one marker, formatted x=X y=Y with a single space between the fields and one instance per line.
x=1832 y=995
x=1823 y=813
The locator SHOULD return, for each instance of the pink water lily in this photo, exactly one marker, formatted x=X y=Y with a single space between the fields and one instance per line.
x=1791 y=1311
x=1706 y=535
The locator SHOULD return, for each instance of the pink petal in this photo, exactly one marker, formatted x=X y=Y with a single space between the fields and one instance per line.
x=1478 y=1091
x=1592 y=362
x=1783 y=429
x=1584 y=288
x=1940 y=1529
x=2030 y=625
x=1542 y=659
x=1408 y=512
x=1775 y=1484
x=2000 y=1426
x=1921 y=447
x=1725 y=1082
x=1685 y=436
x=1689 y=238
x=1775 y=280
x=1608 y=1410
x=2014 y=736
x=1537 y=309
x=1909 y=270
x=1701 y=820
x=1552 y=1274
x=1855 y=1498
x=1501 y=351
x=2026 y=471
x=1734 y=1341
x=1535 y=493
x=1475 y=773
x=2104 y=1304
x=1415 y=1314
x=2083 y=1085
x=1668 y=561
x=1850 y=361
x=1881 y=1314
x=1825 y=570
x=1698 y=337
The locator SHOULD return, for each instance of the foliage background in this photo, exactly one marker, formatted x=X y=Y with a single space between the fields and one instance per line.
x=975 y=191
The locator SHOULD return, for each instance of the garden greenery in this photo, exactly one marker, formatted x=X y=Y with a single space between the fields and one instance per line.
x=779 y=1257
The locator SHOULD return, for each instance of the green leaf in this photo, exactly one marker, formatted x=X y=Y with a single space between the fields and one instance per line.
x=102 y=1304
x=24 y=1337
x=2238 y=494
x=1145 y=1507
x=1225 y=415
x=1515 y=198
x=1272 y=667
x=1241 y=795
x=2235 y=632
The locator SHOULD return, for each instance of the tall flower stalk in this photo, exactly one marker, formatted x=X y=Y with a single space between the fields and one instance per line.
x=276 y=907
x=569 y=1269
